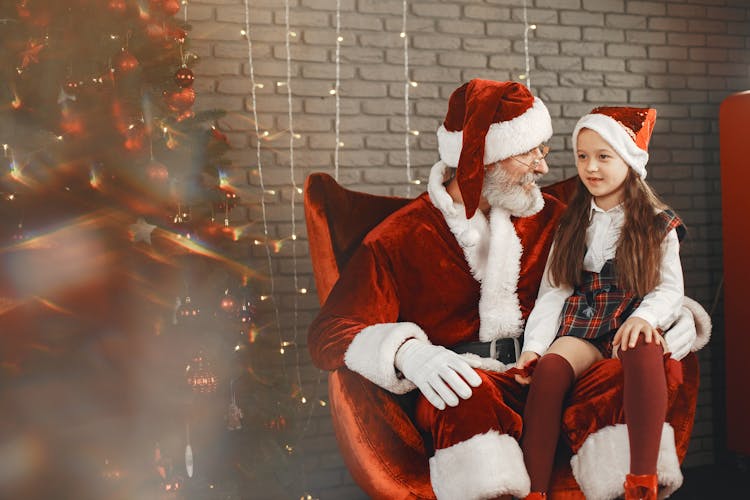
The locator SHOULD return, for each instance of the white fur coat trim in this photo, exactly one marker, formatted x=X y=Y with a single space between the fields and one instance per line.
x=602 y=463
x=373 y=351
x=702 y=323
x=493 y=251
x=484 y=466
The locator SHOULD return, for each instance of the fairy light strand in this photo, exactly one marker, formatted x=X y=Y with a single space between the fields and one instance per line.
x=271 y=280
x=527 y=75
x=407 y=84
x=295 y=275
x=337 y=88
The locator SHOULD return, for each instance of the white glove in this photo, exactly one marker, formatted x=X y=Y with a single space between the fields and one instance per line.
x=437 y=372
x=681 y=335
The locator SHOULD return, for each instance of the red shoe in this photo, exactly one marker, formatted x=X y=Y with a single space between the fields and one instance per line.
x=641 y=487
x=535 y=495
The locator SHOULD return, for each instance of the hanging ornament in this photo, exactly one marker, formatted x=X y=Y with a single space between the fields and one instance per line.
x=228 y=303
x=180 y=102
x=234 y=413
x=277 y=423
x=219 y=135
x=228 y=199
x=200 y=376
x=184 y=77
x=170 y=7
x=170 y=482
x=135 y=137
x=125 y=62
x=187 y=310
x=157 y=171
x=117 y=6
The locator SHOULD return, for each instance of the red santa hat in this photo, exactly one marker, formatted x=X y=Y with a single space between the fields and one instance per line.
x=489 y=121
x=627 y=130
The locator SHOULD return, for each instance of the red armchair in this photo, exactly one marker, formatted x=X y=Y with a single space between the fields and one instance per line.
x=395 y=464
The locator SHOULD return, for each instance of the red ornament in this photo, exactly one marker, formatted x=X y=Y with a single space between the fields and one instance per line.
x=125 y=62
x=181 y=100
x=219 y=135
x=157 y=171
x=184 y=77
x=170 y=7
x=228 y=200
x=135 y=137
x=117 y=6
x=200 y=376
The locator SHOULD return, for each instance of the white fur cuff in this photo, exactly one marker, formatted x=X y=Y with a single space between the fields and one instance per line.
x=484 y=466
x=373 y=351
x=702 y=323
x=603 y=462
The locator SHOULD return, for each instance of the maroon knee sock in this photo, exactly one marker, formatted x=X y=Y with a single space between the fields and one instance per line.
x=553 y=377
x=645 y=403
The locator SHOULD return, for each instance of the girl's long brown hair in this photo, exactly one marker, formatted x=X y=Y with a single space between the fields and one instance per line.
x=638 y=251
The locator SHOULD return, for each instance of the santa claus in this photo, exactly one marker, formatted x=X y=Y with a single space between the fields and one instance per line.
x=436 y=296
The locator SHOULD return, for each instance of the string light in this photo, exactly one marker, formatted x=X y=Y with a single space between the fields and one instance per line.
x=336 y=89
x=527 y=75
x=407 y=85
x=271 y=277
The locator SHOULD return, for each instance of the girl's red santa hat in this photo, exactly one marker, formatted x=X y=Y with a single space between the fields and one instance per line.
x=489 y=121
x=628 y=130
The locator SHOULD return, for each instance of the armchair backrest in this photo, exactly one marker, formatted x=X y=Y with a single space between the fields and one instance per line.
x=337 y=221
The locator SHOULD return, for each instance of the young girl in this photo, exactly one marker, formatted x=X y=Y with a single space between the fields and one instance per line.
x=612 y=284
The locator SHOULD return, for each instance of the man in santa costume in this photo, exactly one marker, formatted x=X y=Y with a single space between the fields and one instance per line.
x=437 y=295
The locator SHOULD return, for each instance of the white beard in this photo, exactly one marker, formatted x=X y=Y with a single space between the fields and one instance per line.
x=517 y=197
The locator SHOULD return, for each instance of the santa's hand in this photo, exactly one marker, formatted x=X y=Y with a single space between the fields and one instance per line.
x=681 y=335
x=440 y=374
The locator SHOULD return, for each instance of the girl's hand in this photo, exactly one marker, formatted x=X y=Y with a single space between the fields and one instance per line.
x=524 y=360
x=627 y=335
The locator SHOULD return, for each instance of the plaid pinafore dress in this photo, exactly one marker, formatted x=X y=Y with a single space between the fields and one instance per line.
x=598 y=307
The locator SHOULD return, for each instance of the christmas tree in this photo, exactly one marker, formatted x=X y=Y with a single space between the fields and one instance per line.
x=133 y=365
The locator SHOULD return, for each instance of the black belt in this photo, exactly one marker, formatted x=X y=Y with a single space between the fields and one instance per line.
x=506 y=350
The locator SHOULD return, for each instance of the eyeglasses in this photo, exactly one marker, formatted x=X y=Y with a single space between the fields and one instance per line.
x=542 y=149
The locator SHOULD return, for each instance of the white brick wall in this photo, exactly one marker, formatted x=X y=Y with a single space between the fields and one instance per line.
x=682 y=57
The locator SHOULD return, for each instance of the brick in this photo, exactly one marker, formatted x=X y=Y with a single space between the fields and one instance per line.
x=357 y=21
x=628 y=51
x=460 y=27
x=581 y=18
x=416 y=57
x=413 y=24
x=382 y=72
x=346 y=5
x=556 y=32
x=363 y=124
x=666 y=82
x=388 y=107
x=362 y=56
x=326 y=37
x=683 y=10
x=603 y=64
x=537 y=47
x=626 y=21
x=215 y=67
x=505 y=29
x=510 y=61
x=667 y=52
x=434 y=9
x=535 y=16
x=462 y=59
x=559 y=4
x=645 y=37
x=485 y=13
x=649 y=96
x=725 y=13
x=583 y=49
x=486 y=44
x=561 y=94
x=686 y=39
x=627 y=80
x=206 y=13
x=435 y=42
x=646 y=8
x=687 y=67
x=559 y=62
x=604 y=5
x=706 y=82
x=385 y=40
x=436 y=74
x=380 y=6
x=303 y=18
x=327 y=71
x=727 y=69
x=675 y=24
x=603 y=34
x=706 y=26
x=607 y=95
x=709 y=55
x=302 y=53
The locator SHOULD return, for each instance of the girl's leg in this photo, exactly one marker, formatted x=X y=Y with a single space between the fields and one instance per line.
x=645 y=403
x=553 y=376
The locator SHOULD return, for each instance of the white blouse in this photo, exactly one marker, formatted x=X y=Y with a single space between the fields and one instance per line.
x=660 y=307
